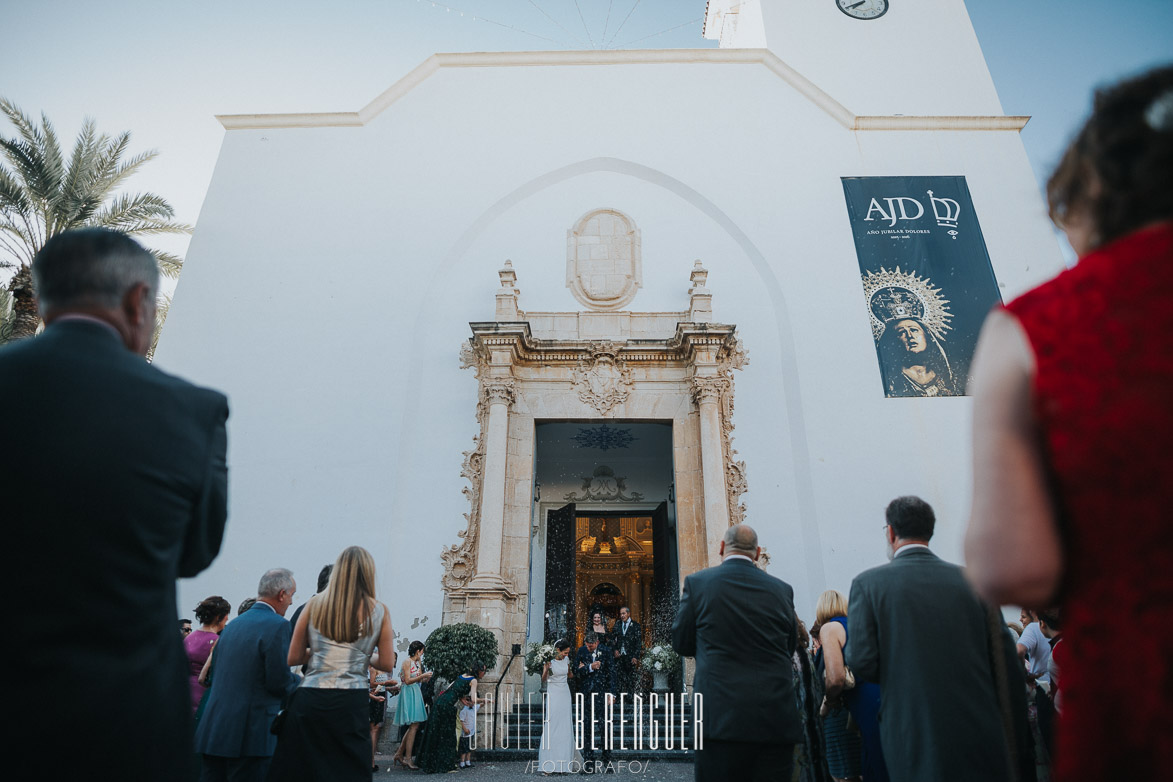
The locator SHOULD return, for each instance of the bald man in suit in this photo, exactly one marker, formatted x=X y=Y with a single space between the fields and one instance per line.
x=739 y=624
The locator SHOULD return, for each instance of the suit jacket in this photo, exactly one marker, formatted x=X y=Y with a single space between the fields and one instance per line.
x=632 y=642
x=250 y=678
x=601 y=681
x=917 y=629
x=115 y=485
x=739 y=624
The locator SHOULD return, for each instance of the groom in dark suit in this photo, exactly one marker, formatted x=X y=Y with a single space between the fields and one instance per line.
x=594 y=671
x=115 y=486
x=739 y=624
x=916 y=628
x=627 y=643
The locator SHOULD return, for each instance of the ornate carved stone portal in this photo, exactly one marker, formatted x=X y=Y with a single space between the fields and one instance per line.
x=596 y=366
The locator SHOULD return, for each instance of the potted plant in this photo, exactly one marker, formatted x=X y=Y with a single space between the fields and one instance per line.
x=661 y=660
x=452 y=649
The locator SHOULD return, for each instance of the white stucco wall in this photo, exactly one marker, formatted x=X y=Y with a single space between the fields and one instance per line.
x=334 y=271
x=920 y=57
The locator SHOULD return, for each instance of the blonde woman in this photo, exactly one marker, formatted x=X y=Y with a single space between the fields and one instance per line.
x=326 y=732
x=848 y=753
x=843 y=745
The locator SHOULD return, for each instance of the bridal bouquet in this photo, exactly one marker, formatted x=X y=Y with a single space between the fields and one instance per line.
x=661 y=657
x=537 y=657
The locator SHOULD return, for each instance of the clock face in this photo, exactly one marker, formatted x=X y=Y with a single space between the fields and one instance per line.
x=863 y=9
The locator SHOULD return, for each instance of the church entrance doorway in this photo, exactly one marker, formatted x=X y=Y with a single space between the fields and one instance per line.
x=607 y=537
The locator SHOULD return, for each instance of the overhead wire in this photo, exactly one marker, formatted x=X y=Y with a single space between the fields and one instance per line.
x=661 y=32
x=542 y=11
x=616 y=33
x=584 y=24
x=478 y=18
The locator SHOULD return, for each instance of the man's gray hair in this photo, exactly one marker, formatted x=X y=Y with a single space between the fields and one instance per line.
x=741 y=539
x=274 y=581
x=591 y=638
x=91 y=267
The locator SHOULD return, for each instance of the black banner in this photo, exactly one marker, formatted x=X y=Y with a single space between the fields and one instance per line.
x=927 y=280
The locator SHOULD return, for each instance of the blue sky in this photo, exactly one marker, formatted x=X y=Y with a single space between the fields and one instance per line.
x=162 y=68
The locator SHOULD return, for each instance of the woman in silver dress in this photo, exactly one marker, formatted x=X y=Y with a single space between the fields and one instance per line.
x=325 y=733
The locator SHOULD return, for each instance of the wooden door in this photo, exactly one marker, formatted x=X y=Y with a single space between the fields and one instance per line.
x=559 y=619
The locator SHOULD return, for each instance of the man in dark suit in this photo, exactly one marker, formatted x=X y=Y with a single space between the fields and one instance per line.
x=739 y=624
x=627 y=644
x=916 y=628
x=594 y=673
x=114 y=486
x=249 y=680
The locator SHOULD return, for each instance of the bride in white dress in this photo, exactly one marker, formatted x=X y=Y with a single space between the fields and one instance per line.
x=556 y=752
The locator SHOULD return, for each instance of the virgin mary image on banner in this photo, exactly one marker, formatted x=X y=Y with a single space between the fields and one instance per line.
x=909 y=322
x=927 y=279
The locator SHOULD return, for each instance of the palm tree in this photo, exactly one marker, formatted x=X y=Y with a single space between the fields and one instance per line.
x=43 y=194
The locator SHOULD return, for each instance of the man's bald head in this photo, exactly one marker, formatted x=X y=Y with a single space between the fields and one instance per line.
x=740 y=539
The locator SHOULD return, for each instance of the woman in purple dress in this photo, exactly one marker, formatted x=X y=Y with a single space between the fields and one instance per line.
x=212 y=614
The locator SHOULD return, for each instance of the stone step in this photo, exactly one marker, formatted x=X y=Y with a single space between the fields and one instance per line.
x=659 y=756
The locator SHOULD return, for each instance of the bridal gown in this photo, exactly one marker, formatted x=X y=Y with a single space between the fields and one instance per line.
x=556 y=751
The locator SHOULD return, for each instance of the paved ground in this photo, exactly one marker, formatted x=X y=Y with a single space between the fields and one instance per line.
x=645 y=771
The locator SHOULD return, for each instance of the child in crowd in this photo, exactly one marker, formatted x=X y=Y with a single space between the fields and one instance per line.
x=468 y=721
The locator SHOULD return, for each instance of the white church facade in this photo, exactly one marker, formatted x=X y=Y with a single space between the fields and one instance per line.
x=535 y=328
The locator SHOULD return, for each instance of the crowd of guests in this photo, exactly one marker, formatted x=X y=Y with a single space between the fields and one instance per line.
x=1071 y=429
x=305 y=699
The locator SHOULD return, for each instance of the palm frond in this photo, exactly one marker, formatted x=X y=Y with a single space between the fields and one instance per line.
x=148 y=209
x=6 y=319
x=169 y=264
x=36 y=155
x=72 y=197
x=21 y=121
x=162 y=309
x=125 y=168
x=17 y=241
x=28 y=164
x=148 y=227
x=51 y=153
x=12 y=195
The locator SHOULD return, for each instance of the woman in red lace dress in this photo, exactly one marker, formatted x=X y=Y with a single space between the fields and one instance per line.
x=1073 y=439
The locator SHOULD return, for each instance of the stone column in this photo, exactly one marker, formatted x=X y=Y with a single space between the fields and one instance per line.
x=499 y=394
x=646 y=596
x=707 y=393
x=635 y=597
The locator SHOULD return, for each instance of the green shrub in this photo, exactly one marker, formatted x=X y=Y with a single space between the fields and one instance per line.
x=452 y=649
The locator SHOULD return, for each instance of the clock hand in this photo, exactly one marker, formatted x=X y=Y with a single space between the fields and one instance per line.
x=857 y=5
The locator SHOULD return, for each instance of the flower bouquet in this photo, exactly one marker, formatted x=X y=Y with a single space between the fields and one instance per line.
x=537 y=657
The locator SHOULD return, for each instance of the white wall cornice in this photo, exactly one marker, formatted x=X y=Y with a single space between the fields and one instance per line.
x=763 y=57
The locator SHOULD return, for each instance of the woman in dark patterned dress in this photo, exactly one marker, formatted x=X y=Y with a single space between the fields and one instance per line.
x=810 y=766
x=437 y=752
